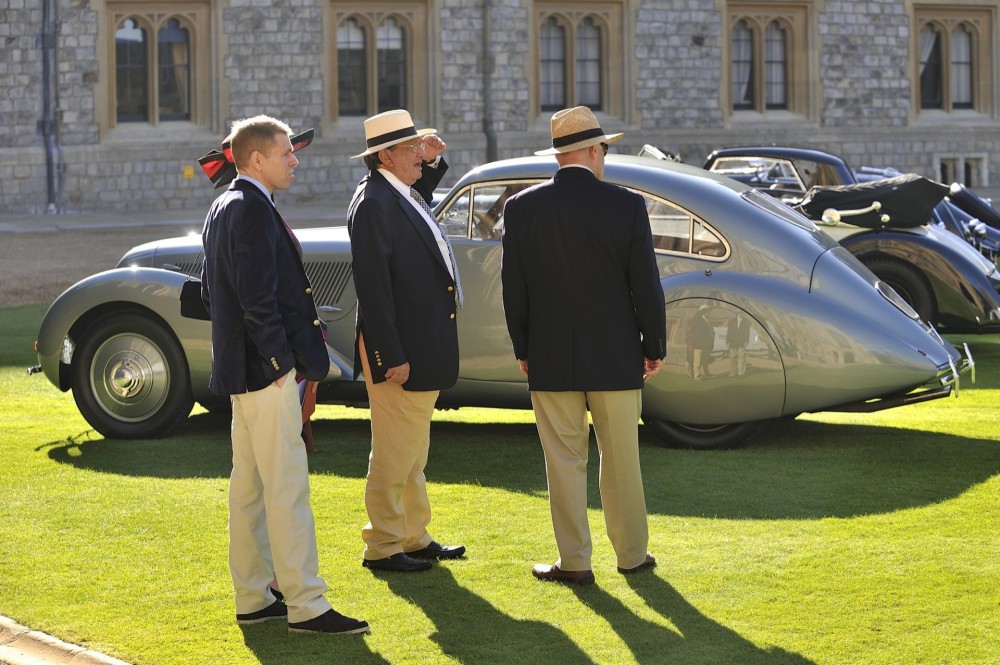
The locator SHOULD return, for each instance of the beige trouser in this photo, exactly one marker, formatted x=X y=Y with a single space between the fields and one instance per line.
x=395 y=489
x=565 y=437
x=271 y=527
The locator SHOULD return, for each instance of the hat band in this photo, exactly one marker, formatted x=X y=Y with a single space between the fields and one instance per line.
x=392 y=136
x=570 y=139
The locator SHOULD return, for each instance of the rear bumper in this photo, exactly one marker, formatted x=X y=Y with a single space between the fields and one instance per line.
x=947 y=382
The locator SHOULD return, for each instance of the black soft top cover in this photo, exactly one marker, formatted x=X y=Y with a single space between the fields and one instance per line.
x=908 y=200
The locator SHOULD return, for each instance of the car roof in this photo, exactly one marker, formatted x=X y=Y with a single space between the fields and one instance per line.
x=646 y=172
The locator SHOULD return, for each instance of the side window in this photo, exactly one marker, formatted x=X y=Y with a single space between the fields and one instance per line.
x=677 y=231
x=455 y=220
x=483 y=207
x=487 y=215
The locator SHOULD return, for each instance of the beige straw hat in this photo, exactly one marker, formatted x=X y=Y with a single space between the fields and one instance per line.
x=576 y=128
x=389 y=128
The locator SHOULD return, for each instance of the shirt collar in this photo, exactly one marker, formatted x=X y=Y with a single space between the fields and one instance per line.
x=394 y=180
x=577 y=166
x=261 y=187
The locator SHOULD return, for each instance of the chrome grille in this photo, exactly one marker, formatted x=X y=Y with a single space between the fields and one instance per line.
x=192 y=268
x=329 y=280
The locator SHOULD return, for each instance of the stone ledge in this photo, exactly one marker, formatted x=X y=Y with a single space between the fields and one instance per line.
x=19 y=645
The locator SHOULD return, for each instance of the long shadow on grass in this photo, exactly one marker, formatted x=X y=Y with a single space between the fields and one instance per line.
x=272 y=644
x=471 y=630
x=793 y=470
x=697 y=639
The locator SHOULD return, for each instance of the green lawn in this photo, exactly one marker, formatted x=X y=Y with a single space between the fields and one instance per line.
x=831 y=539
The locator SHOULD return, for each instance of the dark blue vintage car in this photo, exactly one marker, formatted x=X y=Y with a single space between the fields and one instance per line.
x=938 y=257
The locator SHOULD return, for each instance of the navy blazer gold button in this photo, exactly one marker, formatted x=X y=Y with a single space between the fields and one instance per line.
x=316 y=322
x=309 y=289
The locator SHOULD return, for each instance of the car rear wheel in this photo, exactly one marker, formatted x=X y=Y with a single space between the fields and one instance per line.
x=702 y=437
x=130 y=378
x=908 y=282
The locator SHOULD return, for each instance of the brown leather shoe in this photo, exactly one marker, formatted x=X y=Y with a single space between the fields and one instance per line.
x=548 y=573
x=650 y=562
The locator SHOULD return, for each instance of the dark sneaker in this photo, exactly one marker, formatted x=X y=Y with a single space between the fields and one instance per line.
x=276 y=610
x=331 y=623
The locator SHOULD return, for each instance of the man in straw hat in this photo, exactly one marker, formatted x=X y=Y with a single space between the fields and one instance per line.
x=264 y=329
x=407 y=338
x=585 y=311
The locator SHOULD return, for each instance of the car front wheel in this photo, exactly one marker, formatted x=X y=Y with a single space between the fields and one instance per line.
x=130 y=378
x=702 y=437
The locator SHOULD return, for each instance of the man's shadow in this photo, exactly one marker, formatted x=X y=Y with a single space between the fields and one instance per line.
x=509 y=640
x=697 y=641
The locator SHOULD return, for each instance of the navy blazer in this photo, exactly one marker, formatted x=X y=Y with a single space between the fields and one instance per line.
x=581 y=290
x=406 y=294
x=264 y=320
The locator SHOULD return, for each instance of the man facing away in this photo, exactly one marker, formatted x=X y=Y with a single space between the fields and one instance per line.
x=264 y=329
x=407 y=337
x=585 y=311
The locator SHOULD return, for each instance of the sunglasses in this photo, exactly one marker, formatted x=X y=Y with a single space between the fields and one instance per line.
x=604 y=147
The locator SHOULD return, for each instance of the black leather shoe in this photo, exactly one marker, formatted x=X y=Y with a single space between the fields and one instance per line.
x=277 y=594
x=397 y=563
x=436 y=550
x=330 y=622
x=276 y=610
x=650 y=562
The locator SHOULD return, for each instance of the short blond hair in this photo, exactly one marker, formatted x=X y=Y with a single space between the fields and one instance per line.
x=254 y=134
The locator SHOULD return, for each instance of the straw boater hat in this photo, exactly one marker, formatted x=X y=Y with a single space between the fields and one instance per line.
x=389 y=128
x=576 y=128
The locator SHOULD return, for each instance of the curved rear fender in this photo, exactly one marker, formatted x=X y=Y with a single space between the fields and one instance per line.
x=839 y=276
x=832 y=351
x=109 y=293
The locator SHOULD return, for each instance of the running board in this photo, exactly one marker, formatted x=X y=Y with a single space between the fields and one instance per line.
x=883 y=403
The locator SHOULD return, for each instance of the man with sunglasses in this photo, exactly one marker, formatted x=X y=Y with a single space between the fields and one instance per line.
x=407 y=337
x=585 y=312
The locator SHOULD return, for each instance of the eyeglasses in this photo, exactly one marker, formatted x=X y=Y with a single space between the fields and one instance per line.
x=604 y=147
x=412 y=147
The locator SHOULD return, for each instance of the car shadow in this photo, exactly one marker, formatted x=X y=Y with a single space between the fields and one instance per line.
x=793 y=470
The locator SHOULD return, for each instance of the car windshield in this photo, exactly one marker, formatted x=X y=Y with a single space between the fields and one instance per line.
x=765 y=172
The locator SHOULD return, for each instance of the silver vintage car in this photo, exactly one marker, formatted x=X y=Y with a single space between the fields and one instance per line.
x=768 y=317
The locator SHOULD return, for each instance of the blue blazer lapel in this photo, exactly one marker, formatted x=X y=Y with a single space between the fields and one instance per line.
x=415 y=218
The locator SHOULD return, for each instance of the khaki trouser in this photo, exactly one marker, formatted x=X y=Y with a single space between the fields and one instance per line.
x=271 y=527
x=565 y=437
x=395 y=488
